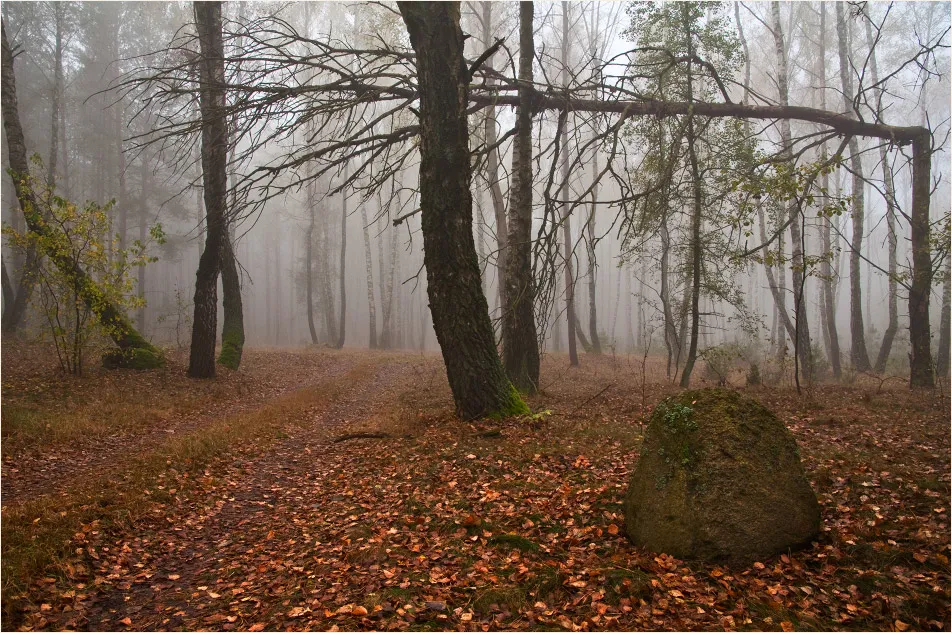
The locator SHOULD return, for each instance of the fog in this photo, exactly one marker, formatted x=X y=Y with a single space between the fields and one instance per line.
x=119 y=137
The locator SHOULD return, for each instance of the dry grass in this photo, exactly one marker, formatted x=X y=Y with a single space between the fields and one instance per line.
x=38 y=535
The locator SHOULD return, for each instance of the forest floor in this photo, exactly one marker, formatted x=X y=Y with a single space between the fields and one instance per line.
x=142 y=501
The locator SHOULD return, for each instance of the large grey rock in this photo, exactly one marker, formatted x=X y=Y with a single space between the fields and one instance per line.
x=719 y=479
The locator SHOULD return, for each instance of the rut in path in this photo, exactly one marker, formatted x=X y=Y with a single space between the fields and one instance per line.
x=259 y=493
x=52 y=471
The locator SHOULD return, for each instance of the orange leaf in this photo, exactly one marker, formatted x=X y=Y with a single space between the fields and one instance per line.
x=359 y=611
x=786 y=625
x=259 y=626
x=612 y=529
x=126 y=621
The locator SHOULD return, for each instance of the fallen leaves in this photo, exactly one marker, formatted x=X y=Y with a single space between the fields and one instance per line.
x=456 y=531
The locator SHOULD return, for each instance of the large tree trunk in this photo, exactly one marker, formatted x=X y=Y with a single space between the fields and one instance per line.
x=520 y=339
x=135 y=350
x=803 y=351
x=858 y=353
x=922 y=372
x=459 y=309
x=214 y=157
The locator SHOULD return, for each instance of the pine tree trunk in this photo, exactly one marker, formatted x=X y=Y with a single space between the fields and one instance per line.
x=520 y=339
x=214 y=157
x=459 y=308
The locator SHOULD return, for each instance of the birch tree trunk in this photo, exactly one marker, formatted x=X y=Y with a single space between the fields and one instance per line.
x=520 y=340
x=858 y=354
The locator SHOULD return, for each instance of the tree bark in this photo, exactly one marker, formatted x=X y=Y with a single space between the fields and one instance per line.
x=134 y=348
x=459 y=308
x=369 y=264
x=492 y=174
x=942 y=359
x=922 y=371
x=342 y=321
x=891 y=238
x=570 y=316
x=858 y=354
x=592 y=269
x=696 y=259
x=804 y=353
x=214 y=155
x=233 y=321
x=831 y=337
x=520 y=338
x=309 y=263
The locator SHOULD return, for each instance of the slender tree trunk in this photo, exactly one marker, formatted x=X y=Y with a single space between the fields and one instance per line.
x=214 y=155
x=563 y=195
x=520 y=339
x=858 y=353
x=460 y=312
x=942 y=359
x=134 y=347
x=143 y=217
x=696 y=245
x=309 y=263
x=592 y=269
x=891 y=238
x=831 y=338
x=342 y=322
x=492 y=176
x=803 y=351
x=369 y=264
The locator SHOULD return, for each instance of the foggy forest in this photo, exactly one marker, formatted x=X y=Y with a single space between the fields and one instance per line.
x=476 y=316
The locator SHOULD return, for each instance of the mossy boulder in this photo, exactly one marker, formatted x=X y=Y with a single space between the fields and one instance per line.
x=720 y=480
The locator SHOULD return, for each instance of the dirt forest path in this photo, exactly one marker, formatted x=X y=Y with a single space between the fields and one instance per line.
x=53 y=469
x=254 y=497
x=157 y=575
